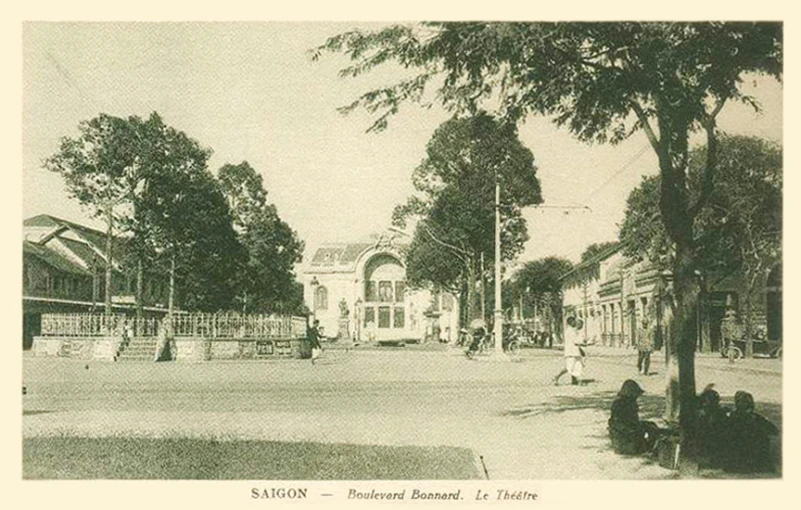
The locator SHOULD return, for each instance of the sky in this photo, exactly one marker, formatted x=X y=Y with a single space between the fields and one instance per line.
x=250 y=92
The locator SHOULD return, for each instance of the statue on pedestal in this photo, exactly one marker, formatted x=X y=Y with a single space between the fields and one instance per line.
x=344 y=322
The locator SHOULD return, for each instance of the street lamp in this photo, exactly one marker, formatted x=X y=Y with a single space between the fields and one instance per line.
x=314 y=284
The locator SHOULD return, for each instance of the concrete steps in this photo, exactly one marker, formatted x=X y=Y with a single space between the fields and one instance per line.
x=139 y=349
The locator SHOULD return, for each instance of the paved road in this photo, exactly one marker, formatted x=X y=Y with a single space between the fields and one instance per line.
x=509 y=413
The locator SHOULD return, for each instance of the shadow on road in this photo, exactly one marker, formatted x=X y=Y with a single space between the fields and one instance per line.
x=650 y=405
x=26 y=412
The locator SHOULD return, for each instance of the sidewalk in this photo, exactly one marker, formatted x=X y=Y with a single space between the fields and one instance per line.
x=713 y=360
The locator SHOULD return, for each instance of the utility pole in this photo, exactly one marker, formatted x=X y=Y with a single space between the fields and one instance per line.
x=498 y=315
x=483 y=291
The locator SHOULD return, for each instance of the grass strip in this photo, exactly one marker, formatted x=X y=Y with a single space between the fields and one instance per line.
x=180 y=458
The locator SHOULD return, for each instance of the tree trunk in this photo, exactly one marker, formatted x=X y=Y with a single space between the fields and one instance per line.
x=471 y=291
x=749 y=321
x=171 y=298
x=672 y=149
x=671 y=413
x=95 y=285
x=706 y=336
x=109 y=259
x=483 y=290
x=140 y=277
x=684 y=338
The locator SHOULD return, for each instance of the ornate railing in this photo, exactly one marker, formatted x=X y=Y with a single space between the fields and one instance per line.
x=204 y=325
x=82 y=324
x=223 y=325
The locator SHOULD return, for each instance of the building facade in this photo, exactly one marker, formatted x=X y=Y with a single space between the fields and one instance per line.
x=63 y=270
x=358 y=291
x=611 y=293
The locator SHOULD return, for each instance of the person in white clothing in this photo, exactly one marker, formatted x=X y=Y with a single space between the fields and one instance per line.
x=573 y=352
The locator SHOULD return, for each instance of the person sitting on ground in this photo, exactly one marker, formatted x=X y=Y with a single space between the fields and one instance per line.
x=711 y=428
x=628 y=434
x=748 y=439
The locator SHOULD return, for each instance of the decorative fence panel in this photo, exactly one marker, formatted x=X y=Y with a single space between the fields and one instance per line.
x=200 y=325
x=224 y=325
x=82 y=324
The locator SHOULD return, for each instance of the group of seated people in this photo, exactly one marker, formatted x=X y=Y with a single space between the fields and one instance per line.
x=736 y=440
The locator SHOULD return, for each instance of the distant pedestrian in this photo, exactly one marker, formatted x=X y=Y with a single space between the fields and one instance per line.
x=729 y=332
x=645 y=345
x=313 y=337
x=573 y=353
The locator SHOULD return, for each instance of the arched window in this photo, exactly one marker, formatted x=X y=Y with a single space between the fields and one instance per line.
x=321 y=298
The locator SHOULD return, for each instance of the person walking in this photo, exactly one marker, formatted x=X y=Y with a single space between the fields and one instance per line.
x=573 y=352
x=313 y=337
x=645 y=346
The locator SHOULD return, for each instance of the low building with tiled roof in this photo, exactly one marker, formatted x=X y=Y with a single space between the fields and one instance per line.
x=64 y=271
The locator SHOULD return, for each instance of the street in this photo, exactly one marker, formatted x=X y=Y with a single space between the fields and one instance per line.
x=509 y=413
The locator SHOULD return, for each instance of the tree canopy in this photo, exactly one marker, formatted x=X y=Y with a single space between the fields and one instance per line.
x=454 y=200
x=100 y=169
x=267 y=281
x=190 y=223
x=743 y=222
x=538 y=283
x=151 y=184
x=596 y=249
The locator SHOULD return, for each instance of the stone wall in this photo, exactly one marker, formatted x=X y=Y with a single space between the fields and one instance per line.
x=98 y=348
x=182 y=348
x=205 y=349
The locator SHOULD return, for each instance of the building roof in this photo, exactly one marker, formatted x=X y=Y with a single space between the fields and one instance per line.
x=92 y=236
x=52 y=258
x=590 y=268
x=343 y=257
x=84 y=252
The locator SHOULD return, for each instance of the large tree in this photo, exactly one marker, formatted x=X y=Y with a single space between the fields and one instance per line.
x=537 y=286
x=98 y=168
x=267 y=281
x=739 y=231
x=190 y=224
x=604 y=82
x=454 y=202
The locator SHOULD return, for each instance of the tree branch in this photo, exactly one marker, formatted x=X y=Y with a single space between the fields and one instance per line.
x=649 y=132
x=708 y=178
x=460 y=253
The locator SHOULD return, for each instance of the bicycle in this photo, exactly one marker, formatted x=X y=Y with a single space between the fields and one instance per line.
x=511 y=346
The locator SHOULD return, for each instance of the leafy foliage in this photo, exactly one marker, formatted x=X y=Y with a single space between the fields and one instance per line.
x=455 y=201
x=192 y=225
x=267 y=282
x=596 y=249
x=539 y=283
x=742 y=226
